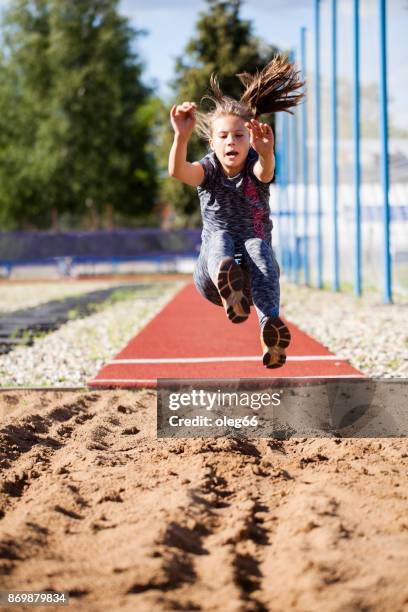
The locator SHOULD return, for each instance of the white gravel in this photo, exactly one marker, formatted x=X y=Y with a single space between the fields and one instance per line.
x=72 y=355
x=371 y=335
x=27 y=295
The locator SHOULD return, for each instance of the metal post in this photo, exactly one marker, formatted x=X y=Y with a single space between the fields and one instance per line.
x=293 y=180
x=357 y=172
x=384 y=151
x=294 y=207
x=318 y=163
x=305 y=165
x=278 y=153
x=285 y=173
x=336 y=279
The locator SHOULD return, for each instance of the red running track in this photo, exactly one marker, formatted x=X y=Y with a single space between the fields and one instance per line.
x=192 y=338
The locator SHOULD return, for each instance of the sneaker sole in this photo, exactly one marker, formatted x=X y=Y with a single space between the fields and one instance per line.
x=276 y=337
x=274 y=358
x=230 y=284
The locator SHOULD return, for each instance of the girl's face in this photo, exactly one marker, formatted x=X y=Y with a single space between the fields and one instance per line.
x=230 y=143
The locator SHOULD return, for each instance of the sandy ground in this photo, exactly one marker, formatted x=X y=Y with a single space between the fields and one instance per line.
x=91 y=502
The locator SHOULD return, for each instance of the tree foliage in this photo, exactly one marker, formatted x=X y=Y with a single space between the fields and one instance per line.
x=75 y=119
x=223 y=43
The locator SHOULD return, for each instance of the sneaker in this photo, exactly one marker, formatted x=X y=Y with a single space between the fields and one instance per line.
x=275 y=338
x=230 y=284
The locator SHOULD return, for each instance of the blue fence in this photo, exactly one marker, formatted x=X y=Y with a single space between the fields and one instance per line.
x=110 y=251
x=341 y=194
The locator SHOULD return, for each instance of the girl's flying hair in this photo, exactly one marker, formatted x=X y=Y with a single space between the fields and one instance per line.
x=274 y=88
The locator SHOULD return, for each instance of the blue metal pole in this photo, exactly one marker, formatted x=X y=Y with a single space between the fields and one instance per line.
x=294 y=207
x=357 y=165
x=278 y=161
x=384 y=151
x=336 y=279
x=285 y=144
x=293 y=180
x=318 y=163
x=305 y=165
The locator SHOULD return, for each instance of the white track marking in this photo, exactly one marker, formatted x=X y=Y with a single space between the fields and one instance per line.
x=263 y=379
x=221 y=359
x=124 y=380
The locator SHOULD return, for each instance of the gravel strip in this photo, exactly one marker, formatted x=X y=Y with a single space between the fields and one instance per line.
x=371 y=335
x=15 y=297
x=72 y=355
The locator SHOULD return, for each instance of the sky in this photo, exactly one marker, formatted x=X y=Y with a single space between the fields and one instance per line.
x=170 y=24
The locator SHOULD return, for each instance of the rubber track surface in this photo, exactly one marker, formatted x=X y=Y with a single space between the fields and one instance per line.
x=190 y=327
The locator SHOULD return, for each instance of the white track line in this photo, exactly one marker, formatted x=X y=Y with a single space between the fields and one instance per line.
x=264 y=379
x=221 y=359
x=124 y=380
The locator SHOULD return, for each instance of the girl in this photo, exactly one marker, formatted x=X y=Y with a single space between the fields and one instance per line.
x=233 y=187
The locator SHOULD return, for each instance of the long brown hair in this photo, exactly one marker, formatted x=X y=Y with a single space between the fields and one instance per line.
x=275 y=88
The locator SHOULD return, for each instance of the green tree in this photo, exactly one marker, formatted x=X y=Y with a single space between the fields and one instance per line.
x=223 y=43
x=75 y=119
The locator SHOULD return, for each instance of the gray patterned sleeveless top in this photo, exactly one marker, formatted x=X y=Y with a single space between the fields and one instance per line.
x=239 y=205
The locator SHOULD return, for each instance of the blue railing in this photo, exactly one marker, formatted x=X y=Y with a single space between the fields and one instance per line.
x=321 y=238
x=70 y=252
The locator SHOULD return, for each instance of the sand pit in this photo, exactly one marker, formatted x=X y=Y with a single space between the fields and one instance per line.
x=93 y=504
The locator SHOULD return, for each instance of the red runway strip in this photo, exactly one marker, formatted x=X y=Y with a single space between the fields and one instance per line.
x=192 y=338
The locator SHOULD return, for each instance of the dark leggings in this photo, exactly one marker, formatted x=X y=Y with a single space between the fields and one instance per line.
x=260 y=269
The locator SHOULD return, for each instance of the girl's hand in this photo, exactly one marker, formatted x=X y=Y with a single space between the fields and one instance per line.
x=182 y=117
x=261 y=137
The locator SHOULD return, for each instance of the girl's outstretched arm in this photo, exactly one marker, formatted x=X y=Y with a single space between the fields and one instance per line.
x=183 y=121
x=262 y=140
